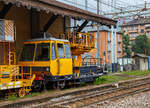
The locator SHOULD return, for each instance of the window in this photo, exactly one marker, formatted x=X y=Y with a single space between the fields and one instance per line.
x=60 y=49
x=142 y=30
x=28 y=52
x=133 y=27
x=108 y=47
x=108 y=56
x=43 y=52
x=118 y=37
x=95 y=44
x=67 y=51
x=95 y=35
x=109 y=37
x=119 y=49
x=97 y=55
x=53 y=52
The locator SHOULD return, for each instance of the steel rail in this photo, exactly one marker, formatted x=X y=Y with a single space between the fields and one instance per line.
x=91 y=94
x=77 y=94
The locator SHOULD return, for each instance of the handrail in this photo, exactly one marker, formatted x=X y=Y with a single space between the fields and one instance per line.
x=13 y=74
x=80 y=39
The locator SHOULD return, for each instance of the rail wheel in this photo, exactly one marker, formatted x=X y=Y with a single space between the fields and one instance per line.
x=21 y=92
x=37 y=86
x=59 y=85
x=9 y=93
x=62 y=85
x=54 y=85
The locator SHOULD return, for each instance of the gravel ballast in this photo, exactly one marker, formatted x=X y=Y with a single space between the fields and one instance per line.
x=141 y=100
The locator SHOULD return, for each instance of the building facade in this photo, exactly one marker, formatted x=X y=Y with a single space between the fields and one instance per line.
x=137 y=27
x=105 y=47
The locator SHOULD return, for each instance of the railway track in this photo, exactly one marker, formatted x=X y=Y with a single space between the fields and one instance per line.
x=105 y=101
x=90 y=97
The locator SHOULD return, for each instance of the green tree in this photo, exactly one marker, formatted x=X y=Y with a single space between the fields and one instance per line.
x=149 y=46
x=141 y=45
x=126 y=45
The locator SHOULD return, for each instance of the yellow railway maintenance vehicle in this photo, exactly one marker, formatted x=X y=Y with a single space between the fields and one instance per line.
x=57 y=62
x=12 y=79
x=44 y=62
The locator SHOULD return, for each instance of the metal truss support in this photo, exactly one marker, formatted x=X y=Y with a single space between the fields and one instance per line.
x=82 y=26
x=49 y=23
x=5 y=10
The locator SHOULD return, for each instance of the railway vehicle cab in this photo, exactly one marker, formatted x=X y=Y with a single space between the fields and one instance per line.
x=49 y=59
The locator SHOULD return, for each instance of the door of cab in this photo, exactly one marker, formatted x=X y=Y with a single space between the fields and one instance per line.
x=61 y=61
x=54 y=60
x=64 y=59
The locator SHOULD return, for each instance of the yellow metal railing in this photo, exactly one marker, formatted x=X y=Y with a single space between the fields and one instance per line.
x=11 y=74
x=12 y=71
x=8 y=72
x=82 y=40
x=12 y=58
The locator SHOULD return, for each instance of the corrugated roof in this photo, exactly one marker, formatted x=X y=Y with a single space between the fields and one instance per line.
x=138 y=21
x=62 y=9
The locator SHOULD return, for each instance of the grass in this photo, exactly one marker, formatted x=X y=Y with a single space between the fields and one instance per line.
x=110 y=78
x=32 y=95
x=137 y=73
x=13 y=97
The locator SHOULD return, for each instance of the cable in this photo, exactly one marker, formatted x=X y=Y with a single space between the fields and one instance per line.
x=116 y=6
x=81 y=5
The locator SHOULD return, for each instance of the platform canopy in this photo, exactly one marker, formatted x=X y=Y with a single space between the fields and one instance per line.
x=58 y=8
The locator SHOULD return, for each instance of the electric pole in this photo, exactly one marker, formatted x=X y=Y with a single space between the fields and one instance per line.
x=98 y=1
x=86 y=5
x=112 y=47
x=75 y=22
x=98 y=34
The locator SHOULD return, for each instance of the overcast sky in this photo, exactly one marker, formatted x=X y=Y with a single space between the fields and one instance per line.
x=105 y=5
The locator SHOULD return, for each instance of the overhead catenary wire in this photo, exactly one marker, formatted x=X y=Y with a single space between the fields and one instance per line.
x=113 y=9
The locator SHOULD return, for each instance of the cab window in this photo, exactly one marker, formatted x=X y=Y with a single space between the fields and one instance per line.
x=60 y=49
x=28 y=52
x=43 y=52
x=53 y=52
x=67 y=51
